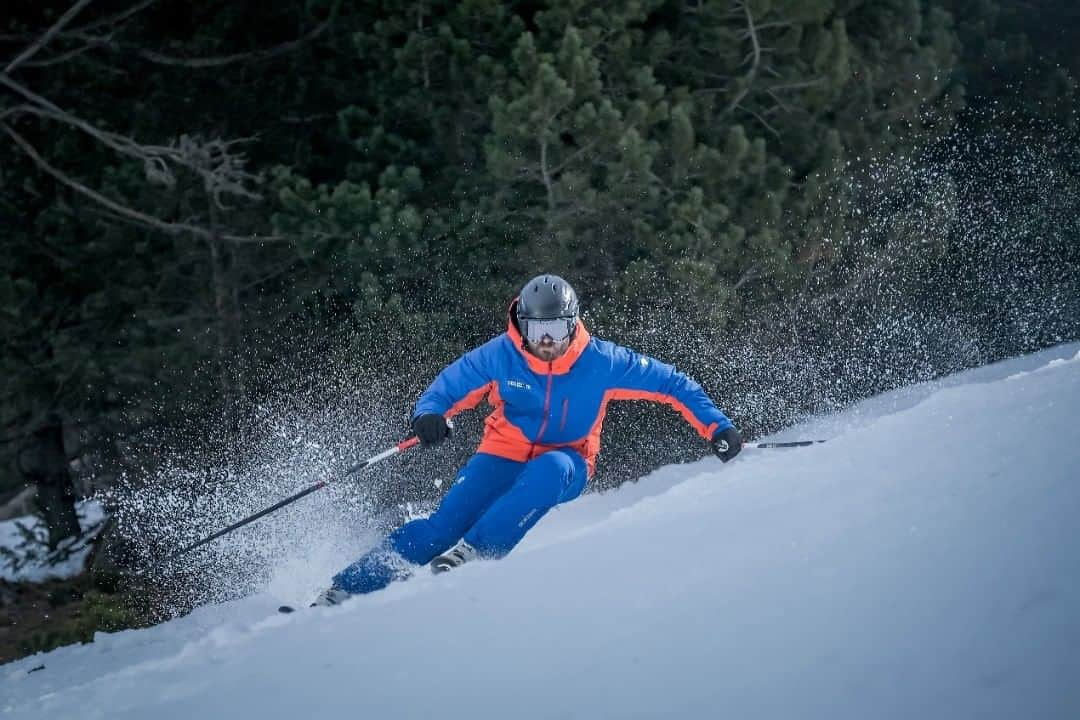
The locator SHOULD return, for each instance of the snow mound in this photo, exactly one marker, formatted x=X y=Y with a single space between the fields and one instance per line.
x=24 y=556
x=922 y=563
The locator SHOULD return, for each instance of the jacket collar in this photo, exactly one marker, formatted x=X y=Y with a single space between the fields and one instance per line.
x=562 y=364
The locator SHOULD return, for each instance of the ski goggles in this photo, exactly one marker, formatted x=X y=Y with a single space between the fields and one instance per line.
x=558 y=329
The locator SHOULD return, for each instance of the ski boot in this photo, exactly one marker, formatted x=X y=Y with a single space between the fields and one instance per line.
x=330 y=596
x=458 y=555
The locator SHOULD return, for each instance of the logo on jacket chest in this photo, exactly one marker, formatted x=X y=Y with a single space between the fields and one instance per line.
x=519 y=384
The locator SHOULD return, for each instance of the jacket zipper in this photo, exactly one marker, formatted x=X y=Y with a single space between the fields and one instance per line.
x=565 y=407
x=547 y=407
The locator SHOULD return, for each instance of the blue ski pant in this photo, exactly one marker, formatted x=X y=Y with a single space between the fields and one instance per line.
x=492 y=504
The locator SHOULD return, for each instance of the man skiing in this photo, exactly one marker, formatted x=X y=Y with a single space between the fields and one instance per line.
x=549 y=382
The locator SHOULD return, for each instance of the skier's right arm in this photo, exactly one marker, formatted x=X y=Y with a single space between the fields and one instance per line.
x=461 y=385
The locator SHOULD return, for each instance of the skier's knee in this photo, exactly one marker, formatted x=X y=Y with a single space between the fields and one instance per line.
x=563 y=471
x=556 y=464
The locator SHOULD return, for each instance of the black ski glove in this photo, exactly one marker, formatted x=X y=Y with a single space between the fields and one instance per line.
x=727 y=444
x=431 y=428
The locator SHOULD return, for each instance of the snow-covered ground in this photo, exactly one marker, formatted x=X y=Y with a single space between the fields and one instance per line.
x=924 y=563
x=25 y=557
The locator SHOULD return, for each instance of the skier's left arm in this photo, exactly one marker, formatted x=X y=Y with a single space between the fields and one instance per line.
x=639 y=377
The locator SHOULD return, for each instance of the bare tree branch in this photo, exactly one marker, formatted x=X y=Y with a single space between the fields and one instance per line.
x=91 y=41
x=797 y=85
x=232 y=239
x=122 y=210
x=255 y=239
x=423 y=49
x=62 y=57
x=47 y=36
x=770 y=25
x=254 y=56
x=573 y=156
x=754 y=55
x=783 y=106
x=44 y=107
x=545 y=172
x=115 y=20
x=751 y=273
x=764 y=122
x=298 y=120
x=17 y=110
x=220 y=169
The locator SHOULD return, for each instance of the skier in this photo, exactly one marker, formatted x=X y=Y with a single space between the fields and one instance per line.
x=549 y=382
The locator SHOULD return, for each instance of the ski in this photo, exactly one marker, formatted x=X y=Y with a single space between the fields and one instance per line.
x=771 y=445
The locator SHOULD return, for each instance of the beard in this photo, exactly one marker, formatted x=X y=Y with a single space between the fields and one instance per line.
x=548 y=351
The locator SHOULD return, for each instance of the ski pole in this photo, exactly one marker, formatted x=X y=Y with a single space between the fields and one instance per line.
x=389 y=452
x=771 y=445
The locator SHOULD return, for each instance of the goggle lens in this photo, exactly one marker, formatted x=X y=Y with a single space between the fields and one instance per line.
x=558 y=329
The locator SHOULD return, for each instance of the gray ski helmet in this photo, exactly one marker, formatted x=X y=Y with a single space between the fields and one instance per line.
x=547 y=307
x=547 y=297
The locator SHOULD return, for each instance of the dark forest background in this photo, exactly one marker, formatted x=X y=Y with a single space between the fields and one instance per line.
x=219 y=217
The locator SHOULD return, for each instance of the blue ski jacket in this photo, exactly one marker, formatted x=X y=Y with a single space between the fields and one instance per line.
x=541 y=406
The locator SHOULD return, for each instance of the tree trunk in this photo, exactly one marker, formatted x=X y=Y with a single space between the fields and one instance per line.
x=44 y=462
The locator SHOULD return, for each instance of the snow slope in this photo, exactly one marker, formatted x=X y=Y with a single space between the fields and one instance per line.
x=925 y=562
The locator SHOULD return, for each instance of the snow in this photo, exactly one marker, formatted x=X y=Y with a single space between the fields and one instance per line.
x=924 y=562
x=32 y=562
